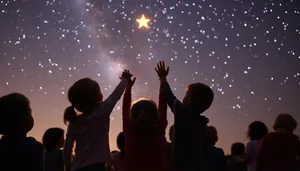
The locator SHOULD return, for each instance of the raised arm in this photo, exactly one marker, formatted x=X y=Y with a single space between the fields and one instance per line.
x=162 y=112
x=175 y=105
x=126 y=110
x=115 y=96
x=68 y=148
x=126 y=106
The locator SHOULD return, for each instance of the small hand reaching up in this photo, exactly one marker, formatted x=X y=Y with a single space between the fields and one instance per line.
x=131 y=82
x=126 y=75
x=162 y=71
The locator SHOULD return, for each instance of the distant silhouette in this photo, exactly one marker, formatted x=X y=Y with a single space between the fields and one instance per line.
x=236 y=161
x=53 y=141
x=280 y=150
x=90 y=129
x=118 y=156
x=144 y=127
x=215 y=156
x=190 y=125
x=17 y=151
x=256 y=131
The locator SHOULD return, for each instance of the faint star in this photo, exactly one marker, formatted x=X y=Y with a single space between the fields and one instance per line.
x=143 y=21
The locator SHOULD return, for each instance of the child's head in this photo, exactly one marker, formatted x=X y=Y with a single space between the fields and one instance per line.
x=121 y=141
x=15 y=115
x=237 y=149
x=144 y=115
x=257 y=130
x=171 y=133
x=199 y=97
x=286 y=122
x=84 y=95
x=54 y=138
x=212 y=135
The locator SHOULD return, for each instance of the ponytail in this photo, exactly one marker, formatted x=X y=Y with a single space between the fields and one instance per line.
x=69 y=115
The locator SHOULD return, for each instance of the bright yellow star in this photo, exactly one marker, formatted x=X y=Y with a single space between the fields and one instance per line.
x=143 y=21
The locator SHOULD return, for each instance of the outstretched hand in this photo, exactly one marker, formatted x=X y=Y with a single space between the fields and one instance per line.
x=126 y=75
x=131 y=82
x=161 y=70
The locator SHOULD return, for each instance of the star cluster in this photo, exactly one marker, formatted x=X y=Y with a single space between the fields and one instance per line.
x=247 y=51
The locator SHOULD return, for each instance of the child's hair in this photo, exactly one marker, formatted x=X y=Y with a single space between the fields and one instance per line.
x=257 y=130
x=84 y=95
x=171 y=133
x=144 y=115
x=285 y=121
x=121 y=142
x=200 y=96
x=212 y=135
x=15 y=115
x=237 y=149
x=53 y=138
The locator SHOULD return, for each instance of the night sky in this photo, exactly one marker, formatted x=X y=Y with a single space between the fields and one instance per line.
x=248 y=51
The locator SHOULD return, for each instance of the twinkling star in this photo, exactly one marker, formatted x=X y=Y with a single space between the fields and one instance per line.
x=143 y=22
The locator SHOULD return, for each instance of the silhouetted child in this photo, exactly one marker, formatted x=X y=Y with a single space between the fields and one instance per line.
x=189 y=124
x=118 y=156
x=256 y=131
x=280 y=150
x=236 y=162
x=17 y=151
x=169 y=148
x=90 y=129
x=144 y=127
x=53 y=141
x=215 y=156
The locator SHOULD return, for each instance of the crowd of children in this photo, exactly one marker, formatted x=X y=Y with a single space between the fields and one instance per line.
x=142 y=144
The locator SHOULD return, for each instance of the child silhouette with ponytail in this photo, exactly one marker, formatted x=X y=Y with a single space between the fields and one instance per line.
x=89 y=130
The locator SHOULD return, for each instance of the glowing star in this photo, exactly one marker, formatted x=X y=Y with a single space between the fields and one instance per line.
x=143 y=22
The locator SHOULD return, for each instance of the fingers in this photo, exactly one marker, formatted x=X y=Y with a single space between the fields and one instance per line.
x=126 y=71
x=163 y=64
x=133 y=81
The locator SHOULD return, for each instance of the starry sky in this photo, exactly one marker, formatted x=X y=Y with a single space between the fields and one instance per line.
x=246 y=50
